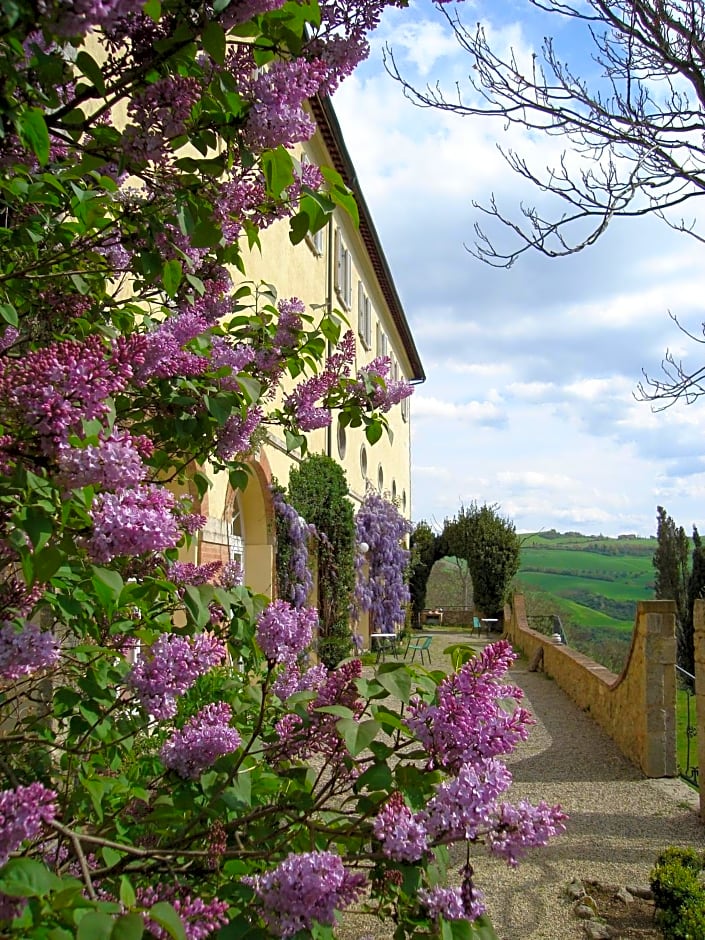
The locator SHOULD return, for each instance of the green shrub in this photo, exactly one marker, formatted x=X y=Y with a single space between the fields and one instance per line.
x=679 y=893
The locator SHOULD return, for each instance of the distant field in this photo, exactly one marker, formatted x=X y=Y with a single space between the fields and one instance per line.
x=600 y=579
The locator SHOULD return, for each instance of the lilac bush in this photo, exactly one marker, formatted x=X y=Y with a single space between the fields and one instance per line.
x=172 y=764
x=380 y=585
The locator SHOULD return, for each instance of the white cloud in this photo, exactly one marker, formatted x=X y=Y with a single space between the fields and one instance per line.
x=473 y=411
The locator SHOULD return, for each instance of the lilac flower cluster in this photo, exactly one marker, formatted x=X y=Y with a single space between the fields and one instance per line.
x=159 y=114
x=164 y=355
x=374 y=388
x=112 y=464
x=200 y=918
x=132 y=522
x=54 y=389
x=462 y=807
x=380 y=586
x=235 y=437
x=204 y=738
x=290 y=680
x=294 y=575
x=26 y=650
x=307 y=403
x=78 y=17
x=403 y=837
x=466 y=723
x=185 y=572
x=522 y=826
x=231 y=575
x=172 y=666
x=283 y=631
x=278 y=93
x=23 y=810
x=449 y=903
x=304 y=889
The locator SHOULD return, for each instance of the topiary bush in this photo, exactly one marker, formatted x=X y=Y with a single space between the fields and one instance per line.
x=678 y=886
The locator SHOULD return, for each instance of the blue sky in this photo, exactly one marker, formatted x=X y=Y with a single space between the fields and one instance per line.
x=531 y=372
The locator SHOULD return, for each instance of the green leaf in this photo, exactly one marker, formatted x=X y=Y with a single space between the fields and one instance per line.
x=396 y=679
x=95 y=926
x=90 y=68
x=153 y=9
x=376 y=777
x=340 y=194
x=164 y=914
x=46 y=563
x=172 y=273
x=196 y=605
x=128 y=927
x=213 y=39
x=108 y=584
x=111 y=856
x=9 y=314
x=340 y=710
x=373 y=432
x=33 y=132
x=480 y=929
x=238 y=479
x=27 y=878
x=299 y=226
x=38 y=525
x=357 y=735
x=206 y=235
x=278 y=169
x=127 y=892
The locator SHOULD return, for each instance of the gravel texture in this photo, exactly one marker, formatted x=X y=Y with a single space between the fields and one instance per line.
x=619 y=820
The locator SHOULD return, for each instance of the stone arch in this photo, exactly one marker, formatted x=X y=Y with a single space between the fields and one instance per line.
x=249 y=517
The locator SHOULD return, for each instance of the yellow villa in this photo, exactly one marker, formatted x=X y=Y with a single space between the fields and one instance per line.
x=343 y=267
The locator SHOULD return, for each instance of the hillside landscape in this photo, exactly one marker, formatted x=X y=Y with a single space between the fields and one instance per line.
x=591 y=582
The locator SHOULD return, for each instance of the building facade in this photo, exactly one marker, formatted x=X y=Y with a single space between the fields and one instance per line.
x=341 y=268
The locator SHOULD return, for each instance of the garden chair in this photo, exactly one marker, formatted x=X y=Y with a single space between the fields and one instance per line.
x=476 y=626
x=420 y=645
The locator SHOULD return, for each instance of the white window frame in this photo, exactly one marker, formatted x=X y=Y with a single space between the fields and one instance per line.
x=381 y=342
x=364 y=316
x=343 y=271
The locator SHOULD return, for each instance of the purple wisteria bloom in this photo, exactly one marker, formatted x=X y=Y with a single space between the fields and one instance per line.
x=171 y=667
x=203 y=739
x=296 y=582
x=403 y=836
x=25 y=650
x=303 y=889
x=23 y=810
x=283 y=631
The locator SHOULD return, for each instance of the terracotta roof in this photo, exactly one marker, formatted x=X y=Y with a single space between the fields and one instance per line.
x=332 y=135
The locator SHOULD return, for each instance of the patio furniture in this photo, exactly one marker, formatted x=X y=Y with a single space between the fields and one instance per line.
x=385 y=642
x=476 y=626
x=420 y=645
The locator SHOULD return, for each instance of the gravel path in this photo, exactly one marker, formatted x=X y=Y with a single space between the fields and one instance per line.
x=619 y=820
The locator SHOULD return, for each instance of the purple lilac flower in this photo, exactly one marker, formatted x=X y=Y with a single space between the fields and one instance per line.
x=78 y=17
x=159 y=114
x=164 y=355
x=462 y=807
x=132 y=522
x=234 y=438
x=185 y=572
x=289 y=324
x=380 y=585
x=54 y=389
x=231 y=575
x=203 y=739
x=468 y=723
x=290 y=681
x=307 y=403
x=11 y=907
x=277 y=116
x=23 y=810
x=115 y=463
x=283 y=631
x=173 y=666
x=199 y=918
x=375 y=389
x=9 y=337
x=25 y=650
x=520 y=827
x=305 y=888
x=403 y=836
x=243 y=11
x=449 y=903
x=224 y=355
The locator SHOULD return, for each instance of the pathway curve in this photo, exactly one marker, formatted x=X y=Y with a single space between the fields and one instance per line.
x=619 y=820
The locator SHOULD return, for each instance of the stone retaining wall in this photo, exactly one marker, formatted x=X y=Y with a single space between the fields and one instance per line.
x=636 y=709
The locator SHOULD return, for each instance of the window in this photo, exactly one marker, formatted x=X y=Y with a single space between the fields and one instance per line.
x=381 y=341
x=405 y=408
x=364 y=317
x=315 y=241
x=403 y=501
x=363 y=461
x=236 y=535
x=394 y=491
x=395 y=370
x=380 y=478
x=343 y=272
x=342 y=441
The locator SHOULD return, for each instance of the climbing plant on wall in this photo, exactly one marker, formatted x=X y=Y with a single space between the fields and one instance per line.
x=318 y=490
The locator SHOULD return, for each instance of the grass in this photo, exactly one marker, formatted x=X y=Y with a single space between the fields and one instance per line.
x=681 y=731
